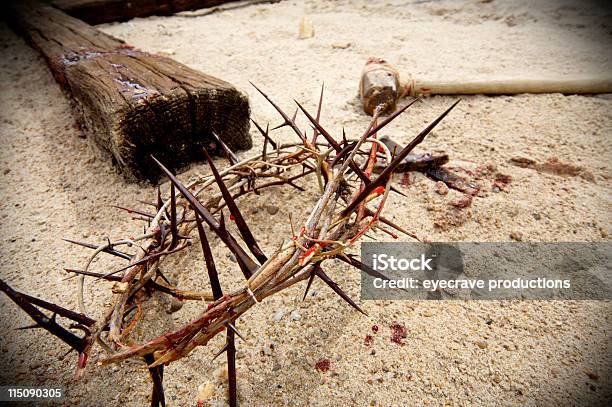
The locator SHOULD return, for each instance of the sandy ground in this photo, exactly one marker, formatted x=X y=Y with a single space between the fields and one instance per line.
x=459 y=353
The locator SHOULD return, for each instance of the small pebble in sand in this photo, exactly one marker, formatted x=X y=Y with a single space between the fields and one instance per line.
x=278 y=315
x=272 y=209
x=516 y=235
x=427 y=313
x=306 y=29
x=592 y=375
x=175 y=305
x=441 y=188
x=482 y=344
x=462 y=202
x=295 y=316
x=341 y=45
x=206 y=393
x=398 y=332
x=323 y=365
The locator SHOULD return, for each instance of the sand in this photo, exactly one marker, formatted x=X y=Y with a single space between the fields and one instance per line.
x=455 y=353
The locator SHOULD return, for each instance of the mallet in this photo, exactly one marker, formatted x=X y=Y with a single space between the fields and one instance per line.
x=381 y=85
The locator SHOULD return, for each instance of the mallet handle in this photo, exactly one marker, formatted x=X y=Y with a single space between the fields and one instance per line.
x=417 y=87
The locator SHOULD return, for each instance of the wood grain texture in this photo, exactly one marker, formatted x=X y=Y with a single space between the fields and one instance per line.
x=106 y=11
x=131 y=103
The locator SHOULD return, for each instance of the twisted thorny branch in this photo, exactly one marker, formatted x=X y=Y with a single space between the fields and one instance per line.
x=338 y=219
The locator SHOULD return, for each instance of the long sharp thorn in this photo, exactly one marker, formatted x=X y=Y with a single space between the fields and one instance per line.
x=23 y=328
x=92 y=274
x=387 y=222
x=173 y=219
x=107 y=250
x=136 y=211
x=310 y=280
x=243 y=228
x=265 y=133
x=386 y=173
x=42 y=320
x=247 y=265
x=228 y=152
x=283 y=114
x=233 y=328
x=392 y=117
x=144 y=261
x=163 y=277
x=350 y=259
x=210 y=262
x=287 y=123
x=56 y=309
x=264 y=149
x=223 y=349
x=231 y=369
x=316 y=133
x=397 y=191
x=321 y=274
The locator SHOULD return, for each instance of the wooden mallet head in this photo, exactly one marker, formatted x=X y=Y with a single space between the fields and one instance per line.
x=379 y=86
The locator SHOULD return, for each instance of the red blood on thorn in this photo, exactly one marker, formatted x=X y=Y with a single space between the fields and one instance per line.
x=232 y=217
x=398 y=332
x=323 y=365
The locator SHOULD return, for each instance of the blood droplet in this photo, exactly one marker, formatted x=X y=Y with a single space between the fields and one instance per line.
x=322 y=365
x=398 y=332
x=368 y=340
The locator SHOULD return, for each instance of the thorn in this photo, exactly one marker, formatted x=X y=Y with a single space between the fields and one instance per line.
x=389 y=119
x=283 y=114
x=173 y=219
x=243 y=228
x=42 y=320
x=136 y=211
x=210 y=262
x=321 y=274
x=223 y=349
x=316 y=133
x=33 y=326
x=228 y=152
x=108 y=250
x=310 y=280
x=233 y=328
x=265 y=133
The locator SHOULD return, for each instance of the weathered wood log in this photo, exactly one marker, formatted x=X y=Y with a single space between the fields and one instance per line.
x=131 y=103
x=106 y=11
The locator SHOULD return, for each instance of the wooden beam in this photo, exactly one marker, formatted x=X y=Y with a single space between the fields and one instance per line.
x=106 y=11
x=131 y=103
